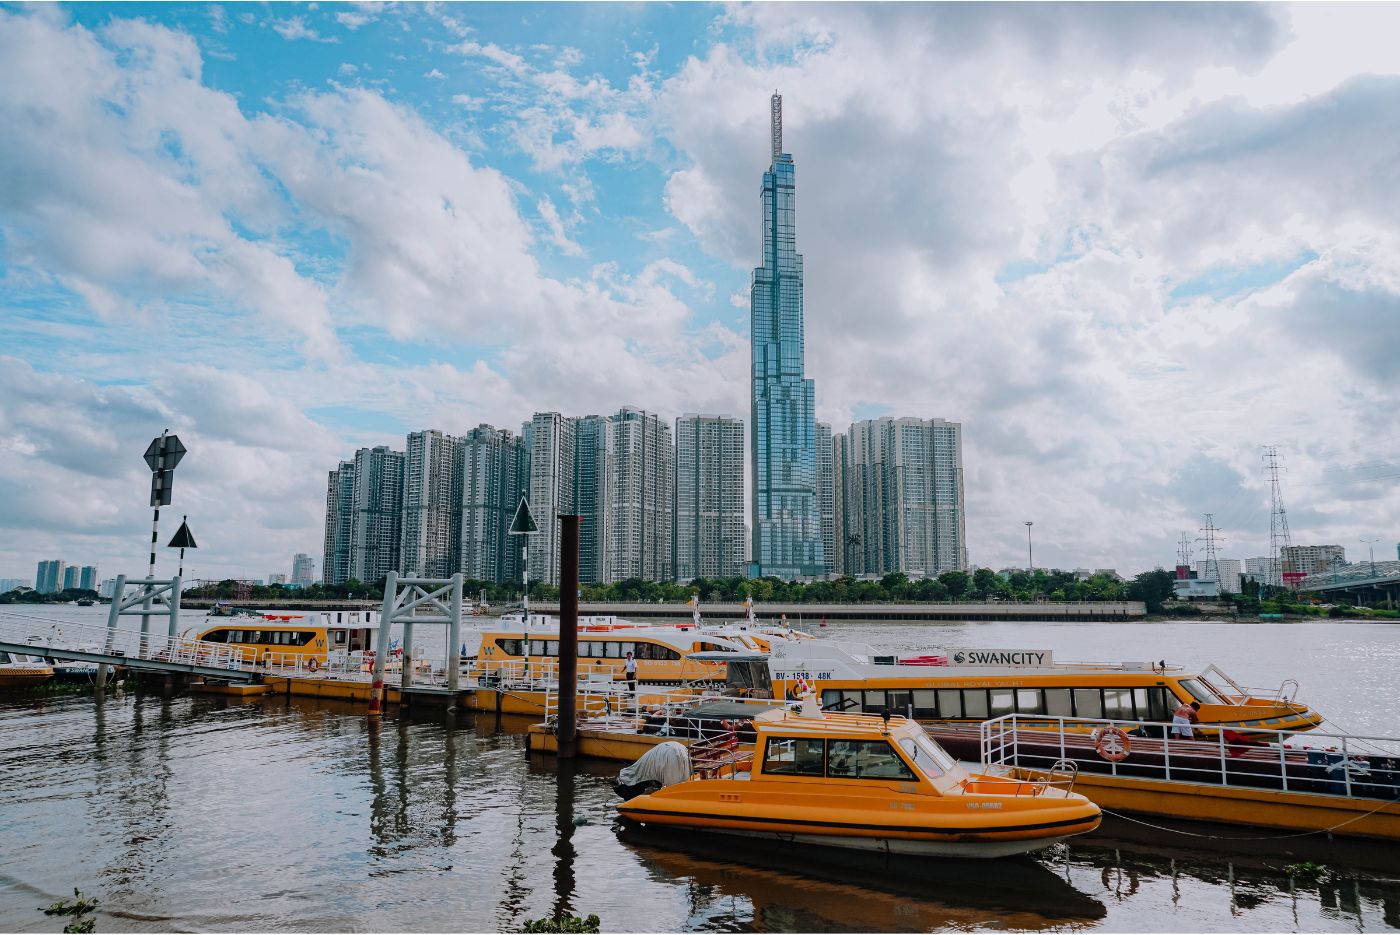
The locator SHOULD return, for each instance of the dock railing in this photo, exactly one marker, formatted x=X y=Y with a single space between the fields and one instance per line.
x=1333 y=764
x=659 y=710
x=41 y=633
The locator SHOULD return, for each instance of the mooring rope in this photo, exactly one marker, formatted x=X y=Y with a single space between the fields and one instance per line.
x=1229 y=837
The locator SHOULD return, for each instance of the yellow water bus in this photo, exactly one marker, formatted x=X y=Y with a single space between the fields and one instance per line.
x=862 y=782
x=18 y=670
x=661 y=651
x=272 y=636
x=974 y=685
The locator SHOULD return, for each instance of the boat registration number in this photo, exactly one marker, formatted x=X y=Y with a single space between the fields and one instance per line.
x=984 y=805
x=782 y=676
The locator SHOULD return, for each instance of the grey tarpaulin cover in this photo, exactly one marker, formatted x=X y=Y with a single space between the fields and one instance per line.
x=667 y=763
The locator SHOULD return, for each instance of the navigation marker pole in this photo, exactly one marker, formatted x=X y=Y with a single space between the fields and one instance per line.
x=523 y=524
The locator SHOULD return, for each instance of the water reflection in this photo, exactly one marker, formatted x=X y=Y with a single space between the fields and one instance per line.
x=287 y=814
x=801 y=888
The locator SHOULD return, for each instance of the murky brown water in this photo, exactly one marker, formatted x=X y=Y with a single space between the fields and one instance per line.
x=199 y=813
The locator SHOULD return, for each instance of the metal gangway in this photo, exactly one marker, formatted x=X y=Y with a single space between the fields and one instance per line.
x=45 y=637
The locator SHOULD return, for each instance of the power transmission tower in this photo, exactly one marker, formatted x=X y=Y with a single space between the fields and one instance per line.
x=1183 y=551
x=1212 y=562
x=1279 y=538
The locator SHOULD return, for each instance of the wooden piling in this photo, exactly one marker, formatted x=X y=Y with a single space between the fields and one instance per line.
x=568 y=635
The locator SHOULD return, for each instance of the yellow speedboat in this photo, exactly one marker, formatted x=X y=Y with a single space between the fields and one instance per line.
x=19 y=670
x=863 y=782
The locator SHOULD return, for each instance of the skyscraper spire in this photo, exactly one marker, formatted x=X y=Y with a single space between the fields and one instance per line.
x=776 y=105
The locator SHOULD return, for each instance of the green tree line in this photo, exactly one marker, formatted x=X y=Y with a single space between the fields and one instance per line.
x=1153 y=587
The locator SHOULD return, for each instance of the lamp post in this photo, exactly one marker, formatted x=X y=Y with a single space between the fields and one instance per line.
x=1030 y=555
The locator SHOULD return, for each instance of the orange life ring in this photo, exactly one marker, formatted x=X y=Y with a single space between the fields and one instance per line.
x=1112 y=743
x=312 y=665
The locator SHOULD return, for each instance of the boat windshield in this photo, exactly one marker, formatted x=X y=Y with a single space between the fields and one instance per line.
x=932 y=760
x=1202 y=692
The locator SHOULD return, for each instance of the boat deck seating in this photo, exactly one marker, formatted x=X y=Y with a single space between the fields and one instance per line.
x=710 y=758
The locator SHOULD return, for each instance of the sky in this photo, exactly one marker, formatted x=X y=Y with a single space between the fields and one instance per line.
x=1125 y=245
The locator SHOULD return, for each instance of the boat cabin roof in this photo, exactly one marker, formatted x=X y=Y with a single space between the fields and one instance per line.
x=789 y=723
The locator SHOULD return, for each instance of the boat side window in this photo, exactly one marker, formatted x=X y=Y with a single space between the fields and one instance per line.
x=614 y=649
x=866 y=759
x=1088 y=702
x=551 y=648
x=949 y=703
x=1201 y=692
x=925 y=703
x=793 y=756
x=1157 y=709
x=1028 y=701
x=974 y=703
x=875 y=701
x=832 y=698
x=509 y=647
x=1058 y=703
x=899 y=701
x=339 y=636
x=1118 y=702
x=215 y=636
x=1003 y=701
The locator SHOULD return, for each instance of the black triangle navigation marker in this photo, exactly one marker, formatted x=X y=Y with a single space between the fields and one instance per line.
x=524 y=522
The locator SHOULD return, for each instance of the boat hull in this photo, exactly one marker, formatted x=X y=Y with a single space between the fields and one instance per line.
x=909 y=847
x=18 y=678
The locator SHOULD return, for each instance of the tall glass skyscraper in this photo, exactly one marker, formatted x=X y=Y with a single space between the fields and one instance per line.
x=787 y=534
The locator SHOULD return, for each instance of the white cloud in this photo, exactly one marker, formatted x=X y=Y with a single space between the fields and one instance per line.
x=434 y=74
x=295 y=27
x=555 y=230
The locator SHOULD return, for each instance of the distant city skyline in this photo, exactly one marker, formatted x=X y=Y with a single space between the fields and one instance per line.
x=1123 y=247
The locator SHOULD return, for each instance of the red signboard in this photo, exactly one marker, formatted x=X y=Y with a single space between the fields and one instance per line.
x=1293 y=578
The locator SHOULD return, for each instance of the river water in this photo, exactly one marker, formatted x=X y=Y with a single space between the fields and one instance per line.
x=277 y=814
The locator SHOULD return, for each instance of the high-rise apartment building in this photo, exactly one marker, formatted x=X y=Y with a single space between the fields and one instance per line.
x=87 y=578
x=48 y=578
x=826 y=497
x=277 y=577
x=551 y=449
x=902 y=498
x=1312 y=559
x=429 y=535
x=340 y=507
x=376 y=515
x=495 y=471
x=71 y=576
x=1230 y=570
x=787 y=535
x=709 y=490
x=591 y=477
x=842 y=538
x=640 y=473
x=1259 y=568
x=303 y=570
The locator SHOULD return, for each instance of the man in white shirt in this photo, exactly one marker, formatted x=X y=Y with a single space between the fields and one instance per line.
x=630 y=668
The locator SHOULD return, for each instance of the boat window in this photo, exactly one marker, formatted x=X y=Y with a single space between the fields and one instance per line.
x=1088 y=702
x=974 y=703
x=664 y=652
x=875 y=701
x=1003 y=701
x=339 y=636
x=1201 y=692
x=866 y=759
x=949 y=703
x=1157 y=707
x=1028 y=701
x=925 y=703
x=596 y=648
x=215 y=636
x=793 y=756
x=1140 y=702
x=1118 y=702
x=931 y=759
x=509 y=647
x=831 y=698
x=900 y=702
x=630 y=647
x=1057 y=702
x=613 y=649
x=4 y=657
x=551 y=648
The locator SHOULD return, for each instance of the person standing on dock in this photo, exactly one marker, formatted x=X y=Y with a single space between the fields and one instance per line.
x=630 y=669
x=1183 y=718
